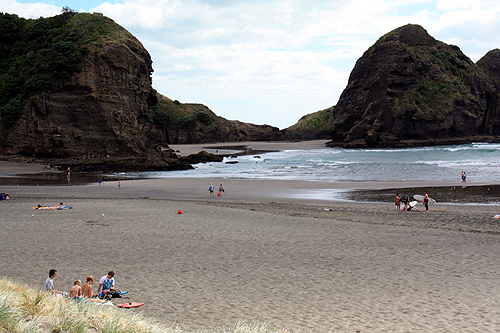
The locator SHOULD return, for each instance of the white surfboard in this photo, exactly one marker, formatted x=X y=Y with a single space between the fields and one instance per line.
x=420 y=198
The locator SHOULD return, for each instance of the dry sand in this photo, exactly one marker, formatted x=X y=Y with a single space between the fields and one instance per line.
x=260 y=254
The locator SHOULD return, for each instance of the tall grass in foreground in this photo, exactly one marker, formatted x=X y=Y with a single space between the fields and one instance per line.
x=29 y=310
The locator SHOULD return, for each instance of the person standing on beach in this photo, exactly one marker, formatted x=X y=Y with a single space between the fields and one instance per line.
x=426 y=201
x=100 y=183
x=49 y=282
x=221 y=190
x=406 y=200
x=106 y=283
x=398 y=202
x=464 y=176
x=211 y=189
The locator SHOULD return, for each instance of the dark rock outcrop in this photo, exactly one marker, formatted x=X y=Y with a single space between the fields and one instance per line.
x=101 y=110
x=490 y=64
x=202 y=157
x=411 y=89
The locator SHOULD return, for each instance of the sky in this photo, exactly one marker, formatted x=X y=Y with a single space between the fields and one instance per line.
x=273 y=61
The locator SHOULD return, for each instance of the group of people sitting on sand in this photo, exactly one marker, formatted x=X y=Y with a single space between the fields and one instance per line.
x=4 y=196
x=85 y=292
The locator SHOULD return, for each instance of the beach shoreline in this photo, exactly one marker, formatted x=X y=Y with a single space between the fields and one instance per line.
x=266 y=251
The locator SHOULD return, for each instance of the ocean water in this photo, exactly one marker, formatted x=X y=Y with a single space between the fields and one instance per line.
x=481 y=162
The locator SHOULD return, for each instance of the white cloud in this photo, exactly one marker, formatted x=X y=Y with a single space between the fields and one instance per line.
x=34 y=10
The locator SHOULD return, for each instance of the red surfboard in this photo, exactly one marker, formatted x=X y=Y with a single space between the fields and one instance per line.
x=130 y=305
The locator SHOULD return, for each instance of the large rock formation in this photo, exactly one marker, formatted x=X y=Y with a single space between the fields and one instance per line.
x=196 y=123
x=103 y=107
x=490 y=64
x=101 y=110
x=411 y=89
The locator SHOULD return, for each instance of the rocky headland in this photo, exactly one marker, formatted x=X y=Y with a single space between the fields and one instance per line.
x=86 y=93
x=79 y=88
x=410 y=89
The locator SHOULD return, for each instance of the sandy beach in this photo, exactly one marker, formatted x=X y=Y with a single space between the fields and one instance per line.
x=261 y=254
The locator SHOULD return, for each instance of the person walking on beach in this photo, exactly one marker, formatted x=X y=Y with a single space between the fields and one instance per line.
x=426 y=201
x=100 y=183
x=464 y=176
x=49 y=282
x=398 y=202
x=211 y=189
x=221 y=190
x=106 y=283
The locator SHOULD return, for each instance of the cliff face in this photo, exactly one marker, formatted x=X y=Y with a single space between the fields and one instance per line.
x=490 y=64
x=409 y=87
x=180 y=123
x=101 y=110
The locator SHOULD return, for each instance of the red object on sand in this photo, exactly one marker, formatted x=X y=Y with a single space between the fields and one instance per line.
x=130 y=305
x=179 y=211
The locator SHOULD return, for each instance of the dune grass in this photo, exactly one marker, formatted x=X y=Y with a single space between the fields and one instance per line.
x=25 y=309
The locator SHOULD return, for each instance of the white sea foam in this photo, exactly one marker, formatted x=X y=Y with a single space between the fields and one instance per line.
x=481 y=161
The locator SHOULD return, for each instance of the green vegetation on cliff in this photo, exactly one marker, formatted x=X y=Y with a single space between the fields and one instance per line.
x=174 y=118
x=35 y=53
x=311 y=126
x=434 y=95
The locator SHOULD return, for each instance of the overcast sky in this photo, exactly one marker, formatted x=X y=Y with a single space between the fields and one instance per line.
x=271 y=62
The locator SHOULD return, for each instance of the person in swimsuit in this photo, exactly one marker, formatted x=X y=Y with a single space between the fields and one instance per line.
x=87 y=291
x=75 y=292
x=398 y=202
x=426 y=201
x=87 y=287
x=406 y=201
